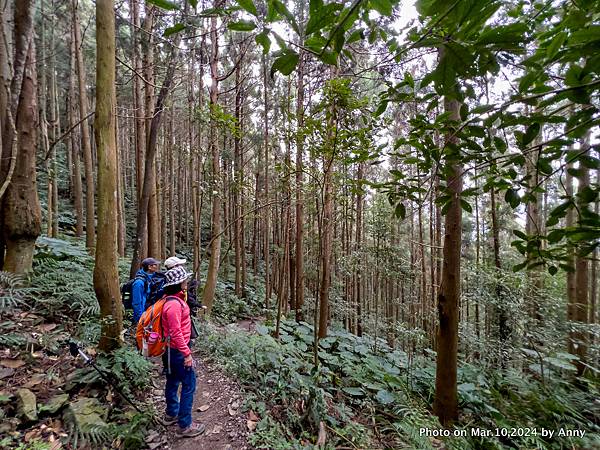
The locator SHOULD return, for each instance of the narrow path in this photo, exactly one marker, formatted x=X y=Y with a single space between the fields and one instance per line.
x=217 y=405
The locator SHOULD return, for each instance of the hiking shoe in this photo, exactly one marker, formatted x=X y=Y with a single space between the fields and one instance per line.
x=195 y=429
x=168 y=420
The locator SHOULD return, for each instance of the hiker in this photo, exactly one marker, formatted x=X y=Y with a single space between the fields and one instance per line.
x=177 y=359
x=192 y=298
x=141 y=287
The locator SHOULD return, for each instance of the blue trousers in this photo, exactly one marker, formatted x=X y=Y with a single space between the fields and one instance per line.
x=179 y=406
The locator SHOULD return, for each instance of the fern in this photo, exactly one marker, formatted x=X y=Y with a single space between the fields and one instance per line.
x=94 y=436
x=12 y=340
x=64 y=286
x=13 y=290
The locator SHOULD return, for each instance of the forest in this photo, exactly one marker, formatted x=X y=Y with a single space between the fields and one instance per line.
x=391 y=208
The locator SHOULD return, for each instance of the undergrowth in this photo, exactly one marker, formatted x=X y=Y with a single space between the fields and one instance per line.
x=353 y=388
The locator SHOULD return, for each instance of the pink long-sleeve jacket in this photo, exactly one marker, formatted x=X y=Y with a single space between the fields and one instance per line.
x=177 y=323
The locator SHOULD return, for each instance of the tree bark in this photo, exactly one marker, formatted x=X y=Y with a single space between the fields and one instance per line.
x=299 y=257
x=90 y=220
x=215 y=246
x=577 y=313
x=21 y=208
x=106 y=276
x=445 y=404
x=75 y=145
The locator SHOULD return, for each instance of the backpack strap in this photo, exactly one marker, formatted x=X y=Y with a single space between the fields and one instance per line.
x=144 y=279
x=168 y=298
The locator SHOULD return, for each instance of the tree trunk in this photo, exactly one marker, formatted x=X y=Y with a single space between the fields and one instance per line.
x=360 y=195
x=138 y=99
x=445 y=404
x=106 y=275
x=577 y=312
x=90 y=225
x=21 y=208
x=237 y=185
x=215 y=246
x=75 y=146
x=266 y=211
x=327 y=220
x=299 y=261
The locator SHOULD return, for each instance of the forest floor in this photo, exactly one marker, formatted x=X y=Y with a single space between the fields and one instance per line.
x=217 y=404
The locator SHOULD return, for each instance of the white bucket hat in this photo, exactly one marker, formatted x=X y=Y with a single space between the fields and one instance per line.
x=174 y=261
x=176 y=275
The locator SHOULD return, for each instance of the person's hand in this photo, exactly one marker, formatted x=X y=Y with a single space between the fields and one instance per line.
x=188 y=361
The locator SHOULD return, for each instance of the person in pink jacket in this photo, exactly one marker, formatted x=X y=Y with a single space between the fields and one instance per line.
x=178 y=360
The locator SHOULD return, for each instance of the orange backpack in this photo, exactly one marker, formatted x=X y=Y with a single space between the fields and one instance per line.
x=149 y=334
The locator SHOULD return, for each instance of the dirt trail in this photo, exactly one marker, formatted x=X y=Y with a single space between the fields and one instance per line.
x=217 y=405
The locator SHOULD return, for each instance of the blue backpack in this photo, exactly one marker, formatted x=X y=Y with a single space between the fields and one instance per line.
x=157 y=283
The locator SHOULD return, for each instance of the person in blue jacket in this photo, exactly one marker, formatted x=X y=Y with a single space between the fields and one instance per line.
x=141 y=287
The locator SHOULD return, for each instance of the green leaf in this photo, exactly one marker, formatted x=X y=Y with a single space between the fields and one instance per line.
x=586 y=35
x=164 y=4
x=263 y=40
x=555 y=236
x=322 y=17
x=356 y=35
x=587 y=194
x=241 y=25
x=385 y=397
x=262 y=330
x=574 y=75
x=383 y=104
x=249 y=6
x=520 y=234
x=193 y=3
x=383 y=7
x=519 y=267
x=466 y=205
x=329 y=57
x=530 y=134
x=555 y=45
x=512 y=198
x=504 y=35
x=286 y=63
x=282 y=9
x=354 y=391
x=271 y=12
x=589 y=161
x=545 y=166
x=174 y=29
x=400 y=210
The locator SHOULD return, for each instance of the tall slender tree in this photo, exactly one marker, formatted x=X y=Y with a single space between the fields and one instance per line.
x=106 y=275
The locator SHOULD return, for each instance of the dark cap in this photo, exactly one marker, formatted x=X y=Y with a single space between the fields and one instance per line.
x=149 y=261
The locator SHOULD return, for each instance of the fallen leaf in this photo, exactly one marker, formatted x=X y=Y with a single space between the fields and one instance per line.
x=217 y=429
x=6 y=372
x=251 y=425
x=322 y=435
x=30 y=435
x=12 y=363
x=46 y=327
x=253 y=417
x=203 y=408
x=35 y=380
